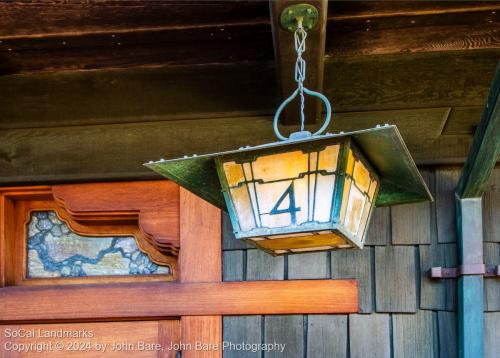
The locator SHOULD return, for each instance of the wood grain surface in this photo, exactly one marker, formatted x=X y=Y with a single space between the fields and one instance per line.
x=156 y=299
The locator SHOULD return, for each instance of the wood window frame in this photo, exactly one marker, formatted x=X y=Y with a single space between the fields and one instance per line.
x=99 y=215
x=197 y=295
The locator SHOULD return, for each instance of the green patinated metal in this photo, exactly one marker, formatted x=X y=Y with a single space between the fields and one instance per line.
x=382 y=146
x=481 y=160
x=485 y=149
x=307 y=13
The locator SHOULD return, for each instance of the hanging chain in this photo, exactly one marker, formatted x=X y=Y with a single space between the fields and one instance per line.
x=300 y=36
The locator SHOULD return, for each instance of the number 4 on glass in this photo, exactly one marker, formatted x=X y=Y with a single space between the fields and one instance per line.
x=292 y=209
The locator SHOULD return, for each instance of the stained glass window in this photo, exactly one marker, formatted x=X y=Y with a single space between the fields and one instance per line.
x=54 y=250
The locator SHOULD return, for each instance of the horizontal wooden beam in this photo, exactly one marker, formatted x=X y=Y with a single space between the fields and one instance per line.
x=146 y=300
x=485 y=148
x=136 y=95
x=226 y=90
x=375 y=27
x=117 y=151
x=34 y=19
x=40 y=18
x=420 y=80
x=113 y=121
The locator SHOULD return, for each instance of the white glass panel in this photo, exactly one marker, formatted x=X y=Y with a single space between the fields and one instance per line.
x=364 y=219
x=269 y=194
x=301 y=195
x=267 y=184
x=324 y=196
x=313 y=162
x=310 y=204
x=354 y=210
x=243 y=207
x=345 y=198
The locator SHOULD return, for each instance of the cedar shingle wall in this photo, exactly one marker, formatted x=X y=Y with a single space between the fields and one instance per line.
x=402 y=312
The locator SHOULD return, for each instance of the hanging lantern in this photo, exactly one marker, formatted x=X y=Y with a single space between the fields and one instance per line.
x=310 y=196
x=308 y=192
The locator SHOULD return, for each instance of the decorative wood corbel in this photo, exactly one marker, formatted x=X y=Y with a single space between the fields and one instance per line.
x=153 y=204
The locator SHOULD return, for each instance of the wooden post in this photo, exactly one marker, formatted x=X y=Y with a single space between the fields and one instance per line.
x=200 y=261
x=480 y=162
x=470 y=287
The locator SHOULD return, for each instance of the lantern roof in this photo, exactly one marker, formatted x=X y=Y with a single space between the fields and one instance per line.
x=383 y=146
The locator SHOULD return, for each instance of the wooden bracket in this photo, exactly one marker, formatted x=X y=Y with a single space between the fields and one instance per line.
x=153 y=205
x=465 y=270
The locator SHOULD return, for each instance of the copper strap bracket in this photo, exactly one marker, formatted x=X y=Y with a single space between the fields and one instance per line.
x=465 y=270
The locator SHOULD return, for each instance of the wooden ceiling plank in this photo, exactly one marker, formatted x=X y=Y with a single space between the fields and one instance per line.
x=364 y=39
x=349 y=10
x=68 y=38
x=41 y=18
x=285 y=56
x=135 y=48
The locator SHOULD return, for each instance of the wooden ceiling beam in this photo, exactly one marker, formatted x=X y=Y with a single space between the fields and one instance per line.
x=367 y=83
x=55 y=155
x=285 y=56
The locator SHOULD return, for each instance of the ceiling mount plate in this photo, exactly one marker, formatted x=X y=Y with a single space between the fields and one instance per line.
x=291 y=16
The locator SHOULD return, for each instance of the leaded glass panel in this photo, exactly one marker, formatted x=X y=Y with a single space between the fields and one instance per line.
x=54 y=250
x=279 y=190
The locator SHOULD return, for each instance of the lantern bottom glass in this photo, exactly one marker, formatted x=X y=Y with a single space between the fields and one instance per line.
x=305 y=242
